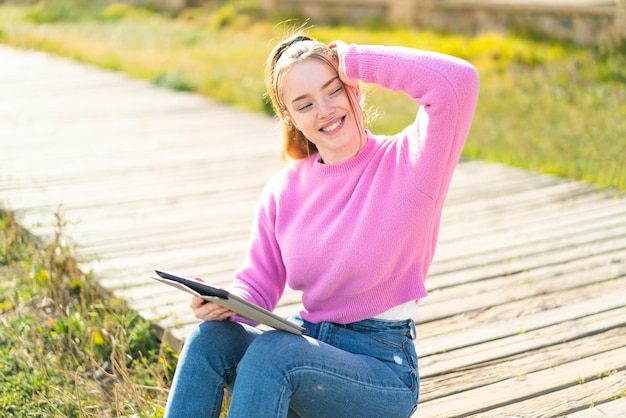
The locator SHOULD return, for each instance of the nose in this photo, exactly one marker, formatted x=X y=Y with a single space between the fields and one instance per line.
x=326 y=109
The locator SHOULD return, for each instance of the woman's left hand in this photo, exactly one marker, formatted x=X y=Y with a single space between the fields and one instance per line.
x=341 y=47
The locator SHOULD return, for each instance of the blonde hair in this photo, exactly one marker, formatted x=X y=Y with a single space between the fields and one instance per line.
x=286 y=54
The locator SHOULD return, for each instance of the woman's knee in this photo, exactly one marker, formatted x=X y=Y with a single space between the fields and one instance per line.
x=219 y=336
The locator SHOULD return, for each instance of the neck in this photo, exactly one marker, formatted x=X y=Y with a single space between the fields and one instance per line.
x=339 y=159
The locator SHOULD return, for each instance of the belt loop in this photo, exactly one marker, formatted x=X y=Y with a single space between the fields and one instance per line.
x=413 y=330
x=324 y=331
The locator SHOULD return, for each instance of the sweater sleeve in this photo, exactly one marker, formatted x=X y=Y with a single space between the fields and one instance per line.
x=260 y=279
x=446 y=90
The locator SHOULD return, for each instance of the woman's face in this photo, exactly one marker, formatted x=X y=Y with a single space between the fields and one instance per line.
x=318 y=105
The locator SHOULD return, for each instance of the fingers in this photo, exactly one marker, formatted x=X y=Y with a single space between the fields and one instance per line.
x=196 y=302
x=209 y=311
x=337 y=44
x=341 y=48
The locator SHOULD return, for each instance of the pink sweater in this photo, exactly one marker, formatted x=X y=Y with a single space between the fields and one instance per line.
x=358 y=237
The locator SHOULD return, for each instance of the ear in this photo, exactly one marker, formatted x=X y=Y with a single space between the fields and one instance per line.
x=355 y=89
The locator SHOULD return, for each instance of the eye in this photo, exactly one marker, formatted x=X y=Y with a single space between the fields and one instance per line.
x=303 y=107
x=336 y=90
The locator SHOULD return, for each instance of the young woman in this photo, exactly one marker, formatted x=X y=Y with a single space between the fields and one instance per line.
x=352 y=222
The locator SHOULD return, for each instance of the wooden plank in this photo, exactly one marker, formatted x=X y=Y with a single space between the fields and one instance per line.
x=484 y=294
x=606 y=299
x=590 y=398
x=546 y=242
x=535 y=384
x=520 y=366
x=523 y=263
x=508 y=202
x=515 y=345
x=532 y=225
x=613 y=408
x=525 y=221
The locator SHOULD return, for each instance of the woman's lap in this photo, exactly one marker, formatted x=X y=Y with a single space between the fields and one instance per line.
x=277 y=371
x=319 y=380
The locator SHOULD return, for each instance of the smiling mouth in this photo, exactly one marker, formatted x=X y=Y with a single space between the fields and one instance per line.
x=333 y=126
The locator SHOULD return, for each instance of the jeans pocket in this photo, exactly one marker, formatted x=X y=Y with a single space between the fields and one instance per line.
x=397 y=351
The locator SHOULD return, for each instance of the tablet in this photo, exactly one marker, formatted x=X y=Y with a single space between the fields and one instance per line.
x=226 y=299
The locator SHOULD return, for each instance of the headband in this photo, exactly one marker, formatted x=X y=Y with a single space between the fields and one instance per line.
x=286 y=47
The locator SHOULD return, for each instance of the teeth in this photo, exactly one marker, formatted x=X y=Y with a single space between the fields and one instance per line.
x=332 y=127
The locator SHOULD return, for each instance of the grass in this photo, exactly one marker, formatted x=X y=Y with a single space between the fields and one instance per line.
x=545 y=106
x=66 y=348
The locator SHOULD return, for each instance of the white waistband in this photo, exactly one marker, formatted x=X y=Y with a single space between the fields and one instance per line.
x=404 y=311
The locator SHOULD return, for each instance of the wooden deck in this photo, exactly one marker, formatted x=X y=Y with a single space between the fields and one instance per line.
x=527 y=308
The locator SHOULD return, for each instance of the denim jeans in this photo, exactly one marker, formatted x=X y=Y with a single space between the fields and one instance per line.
x=363 y=369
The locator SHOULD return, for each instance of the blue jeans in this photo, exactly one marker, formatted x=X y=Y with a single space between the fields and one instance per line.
x=363 y=369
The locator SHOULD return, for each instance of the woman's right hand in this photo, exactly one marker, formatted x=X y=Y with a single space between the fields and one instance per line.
x=209 y=311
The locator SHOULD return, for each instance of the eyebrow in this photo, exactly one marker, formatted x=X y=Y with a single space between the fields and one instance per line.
x=328 y=83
